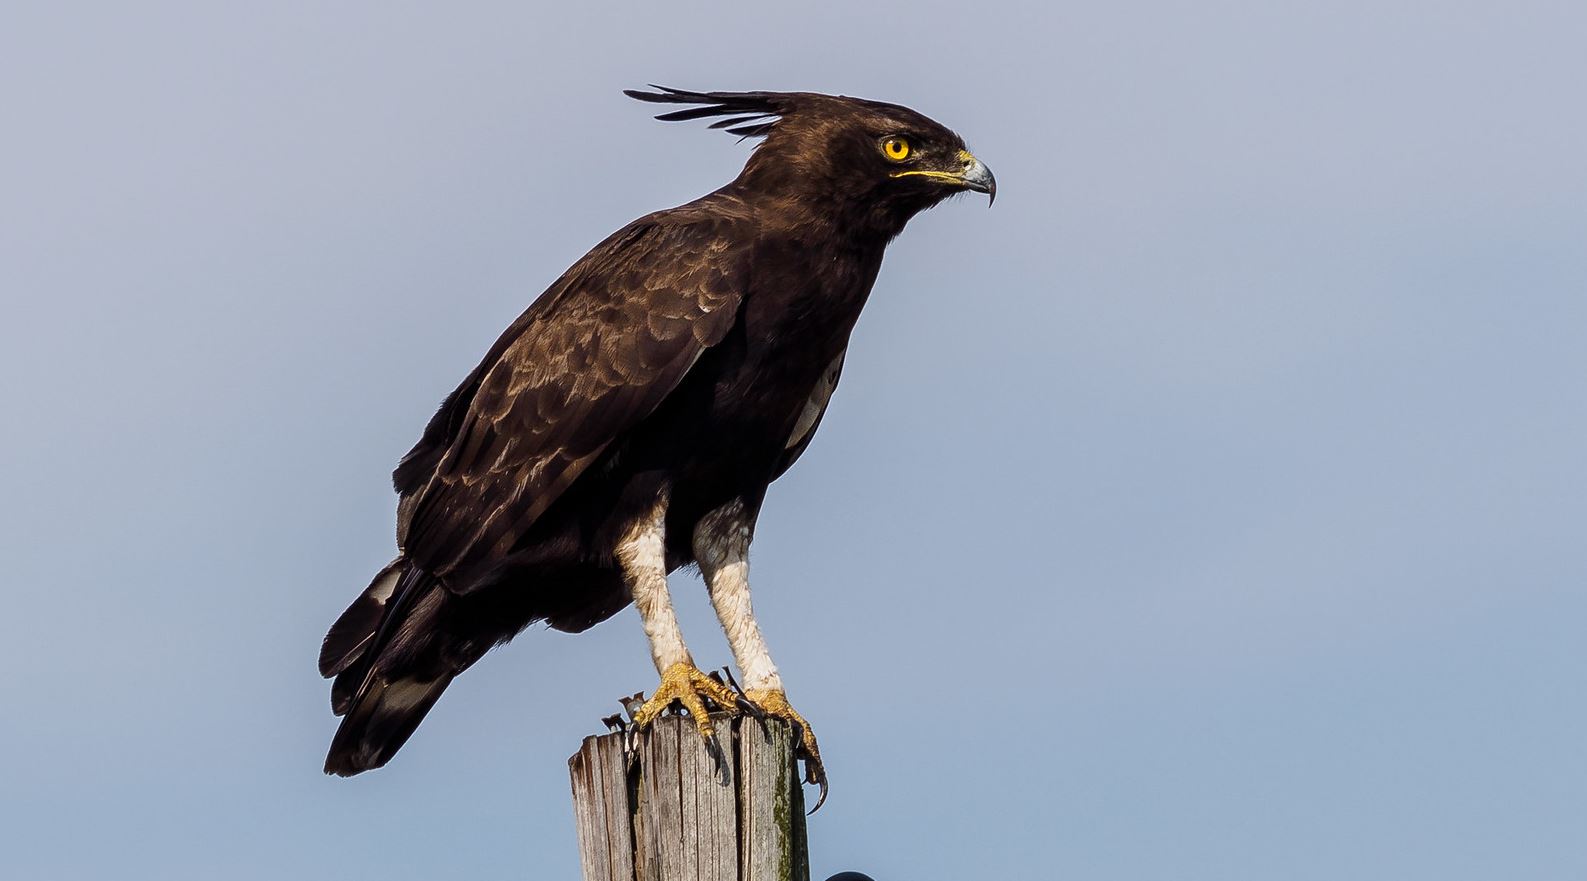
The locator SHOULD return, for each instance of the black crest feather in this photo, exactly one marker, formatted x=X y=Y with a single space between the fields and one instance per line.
x=751 y=114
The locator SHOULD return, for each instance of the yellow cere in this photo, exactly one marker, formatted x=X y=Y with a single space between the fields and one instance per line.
x=896 y=149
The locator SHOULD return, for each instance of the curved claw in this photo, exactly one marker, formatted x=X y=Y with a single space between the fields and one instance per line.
x=750 y=709
x=816 y=773
x=774 y=703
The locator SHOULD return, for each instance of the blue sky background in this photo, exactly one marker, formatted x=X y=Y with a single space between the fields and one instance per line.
x=1211 y=508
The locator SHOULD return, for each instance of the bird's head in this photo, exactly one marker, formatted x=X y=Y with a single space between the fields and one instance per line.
x=874 y=164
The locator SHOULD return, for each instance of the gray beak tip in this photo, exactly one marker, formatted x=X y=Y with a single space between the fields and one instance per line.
x=979 y=178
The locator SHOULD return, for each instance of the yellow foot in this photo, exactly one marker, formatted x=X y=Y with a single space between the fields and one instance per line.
x=685 y=684
x=774 y=702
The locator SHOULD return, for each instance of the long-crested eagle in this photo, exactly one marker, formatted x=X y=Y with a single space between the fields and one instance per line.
x=629 y=422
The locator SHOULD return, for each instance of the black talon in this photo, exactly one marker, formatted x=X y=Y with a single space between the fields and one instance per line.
x=816 y=774
x=725 y=677
x=749 y=707
x=719 y=761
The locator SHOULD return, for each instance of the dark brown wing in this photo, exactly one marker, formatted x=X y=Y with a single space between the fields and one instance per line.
x=815 y=407
x=596 y=354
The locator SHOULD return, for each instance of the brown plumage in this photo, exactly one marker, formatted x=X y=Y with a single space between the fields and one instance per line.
x=686 y=360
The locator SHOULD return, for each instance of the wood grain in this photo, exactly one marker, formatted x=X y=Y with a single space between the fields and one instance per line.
x=678 y=810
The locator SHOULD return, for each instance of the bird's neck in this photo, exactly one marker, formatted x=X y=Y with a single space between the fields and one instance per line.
x=794 y=196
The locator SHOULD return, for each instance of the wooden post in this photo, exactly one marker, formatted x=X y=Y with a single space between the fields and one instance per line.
x=671 y=811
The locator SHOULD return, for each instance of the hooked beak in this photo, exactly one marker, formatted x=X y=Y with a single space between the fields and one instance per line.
x=972 y=175
x=978 y=177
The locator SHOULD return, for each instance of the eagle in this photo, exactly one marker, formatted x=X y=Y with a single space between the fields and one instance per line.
x=629 y=422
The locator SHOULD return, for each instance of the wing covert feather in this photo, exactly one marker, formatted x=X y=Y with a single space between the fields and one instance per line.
x=590 y=359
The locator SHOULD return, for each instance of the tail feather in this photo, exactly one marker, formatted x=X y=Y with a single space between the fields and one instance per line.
x=400 y=644
x=380 y=722
x=391 y=665
x=355 y=629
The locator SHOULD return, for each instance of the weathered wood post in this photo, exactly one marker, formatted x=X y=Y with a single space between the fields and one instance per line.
x=670 y=810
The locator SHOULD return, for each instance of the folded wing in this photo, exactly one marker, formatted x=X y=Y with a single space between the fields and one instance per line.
x=594 y=356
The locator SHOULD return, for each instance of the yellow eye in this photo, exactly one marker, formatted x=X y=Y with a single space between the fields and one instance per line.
x=896 y=149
